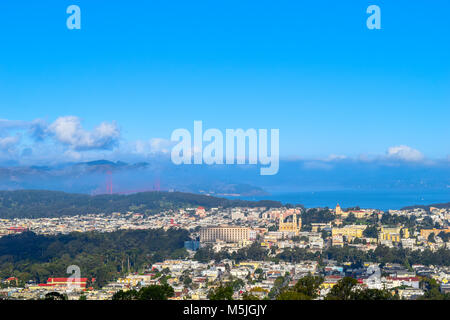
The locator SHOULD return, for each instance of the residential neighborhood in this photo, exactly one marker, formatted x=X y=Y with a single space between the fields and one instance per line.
x=219 y=236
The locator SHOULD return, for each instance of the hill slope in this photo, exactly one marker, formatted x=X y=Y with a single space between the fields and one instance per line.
x=40 y=203
x=427 y=207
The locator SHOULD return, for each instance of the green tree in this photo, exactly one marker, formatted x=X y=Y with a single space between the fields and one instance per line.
x=351 y=219
x=166 y=271
x=237 y=284
x=445 y=236
x=432 y=290
x=187 y=281
x=309 y=285
x=278 y=287
x=348 y=289
x=221 y=293
x=125 y=295
x=374 y=294
x=306 y=288
x=156 y=292
x=344 y=289
x=292 y=295
x=249 y=296
x=371 y=232
x=55 y=296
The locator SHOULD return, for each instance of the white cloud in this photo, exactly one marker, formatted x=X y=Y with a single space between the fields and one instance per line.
x=405 y=153
x=37 y=129
x=68 y=130
x=72 y=155
x=334 y=157
x=9 y=142
x=152 y=146
x=12 y=124
x=317 y=165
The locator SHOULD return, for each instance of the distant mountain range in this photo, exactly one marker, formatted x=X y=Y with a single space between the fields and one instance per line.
x=427 y=207
x=103 y=176
x=159 y=173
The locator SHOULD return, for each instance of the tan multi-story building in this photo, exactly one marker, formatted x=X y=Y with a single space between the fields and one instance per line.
x=349 y=232
x=359 y=214
x=224 y=233
x=394 y=234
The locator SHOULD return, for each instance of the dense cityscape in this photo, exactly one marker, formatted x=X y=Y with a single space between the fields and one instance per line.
x=286 y=253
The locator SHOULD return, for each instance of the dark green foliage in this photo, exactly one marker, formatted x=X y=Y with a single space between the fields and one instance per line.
x=38 y=203
x=343 y=290
x=280 y=285
x=432 y=290
x=237 y=284
x=384 y=254
x=307 y=288
x=55 y=296
x=254 y=252
x=126 y=295
x=153 y=292
x=103 y=256
x=394 y=220
x=205 y=254
x=371 y=232
x=187 y=281
x=348 y=289
x=350 y=219
x=221 y=293
x=427 y=207
x=292 y=295
x=296 y=255
x=156 y=292
x=249 y=296
x=316 y=216
x=375 y=294
x=445 y=236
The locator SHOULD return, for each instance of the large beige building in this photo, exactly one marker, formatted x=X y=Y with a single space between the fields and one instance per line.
x=390 y=234
x=359 y=214
x=224 y=233
x=394 y=234
x=350 y=232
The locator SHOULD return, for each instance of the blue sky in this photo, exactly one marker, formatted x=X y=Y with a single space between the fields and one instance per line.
x=145 y=68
